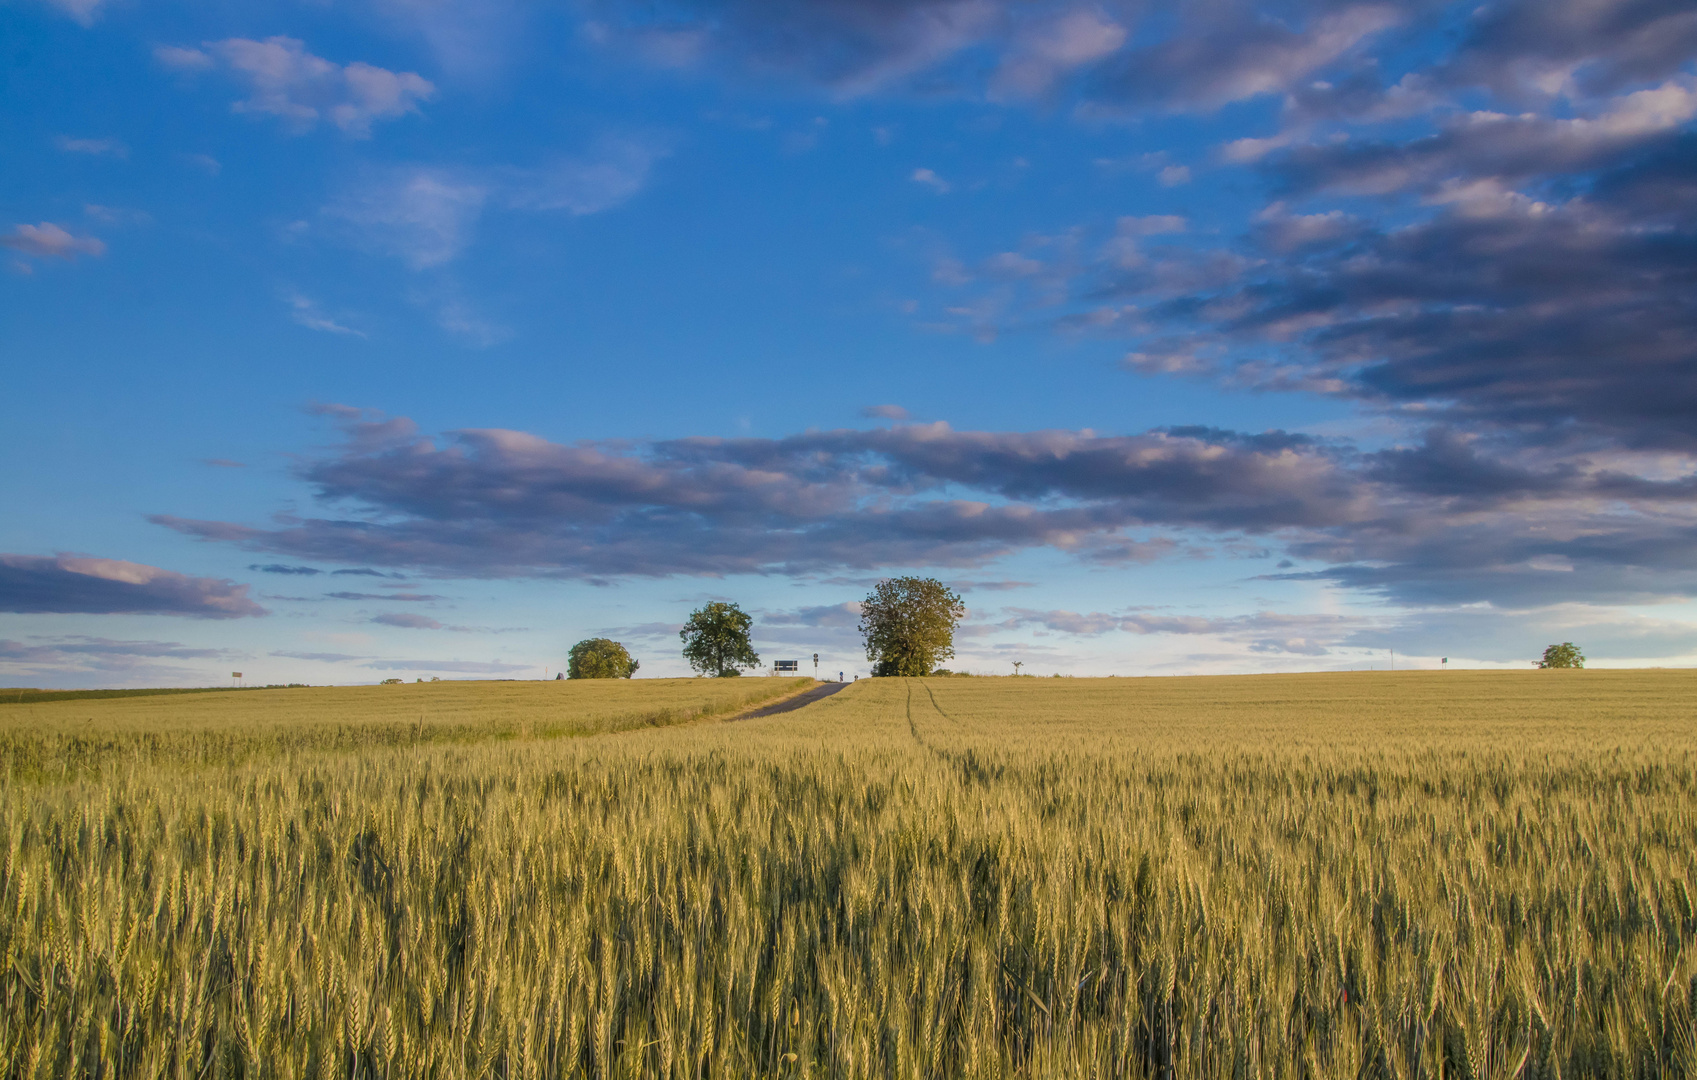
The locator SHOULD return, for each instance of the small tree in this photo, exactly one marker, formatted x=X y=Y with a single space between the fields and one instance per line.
x=716 y=640
x=908 y=625
x=1565 y=655
x=599 y=658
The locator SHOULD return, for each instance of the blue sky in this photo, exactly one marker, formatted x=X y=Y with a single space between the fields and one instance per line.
x=424 y=337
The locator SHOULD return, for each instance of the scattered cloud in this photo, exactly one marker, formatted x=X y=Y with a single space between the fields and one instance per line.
x=463 y=667
x=300 y=89
x=407 y=621
x=280 y=568
x=116 y=215
x=845 y=615
x=400 y=596
x=1264 y=632
x=92 y=147
x=322 y=657
x=1174 y=176
x=426 y=216
x=68 y=659
x=885 y=412
x=47 y=240
x=83 y=11
x=31 y=584
x=306 y=312
x=1213 y=59
x=849 y=46
x=931 y=180
x=989 y=586
x=1041 y=53
x=423 y=216
x=223 y=463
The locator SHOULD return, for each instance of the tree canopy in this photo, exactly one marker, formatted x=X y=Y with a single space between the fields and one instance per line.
x=1565 y=655
x=716 y=640
x=908 y=624
x=599 y=658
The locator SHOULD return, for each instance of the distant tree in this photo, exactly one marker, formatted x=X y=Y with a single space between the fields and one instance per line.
x=908 y=625
x=716 y=640
x=1565 y=655
x=599 y=658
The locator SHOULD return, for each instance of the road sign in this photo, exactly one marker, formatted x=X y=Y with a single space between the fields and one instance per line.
x=787 y=665
x=235 y=674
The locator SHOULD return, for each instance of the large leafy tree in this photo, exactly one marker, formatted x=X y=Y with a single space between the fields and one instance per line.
x=716 y=640
x=908 y=624
x=599 y=658
x=1565 y=655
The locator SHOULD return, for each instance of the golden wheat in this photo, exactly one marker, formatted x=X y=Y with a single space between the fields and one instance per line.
x=1307 y=876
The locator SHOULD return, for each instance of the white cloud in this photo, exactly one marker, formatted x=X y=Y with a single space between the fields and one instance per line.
x=1174 y=176
x=49 y=240
x=930 y=179
x=92 y=147
x=614 y=172
x=305 y=312
x=427 y=216
x=460 y=319
x=116 y=215
x=181 y=59
x=300 y=89
x=83 y=11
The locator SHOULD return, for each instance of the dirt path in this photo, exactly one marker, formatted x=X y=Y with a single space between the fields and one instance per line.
x=806 y=697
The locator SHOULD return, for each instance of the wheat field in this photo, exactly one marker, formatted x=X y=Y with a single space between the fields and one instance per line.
x=1367 y=875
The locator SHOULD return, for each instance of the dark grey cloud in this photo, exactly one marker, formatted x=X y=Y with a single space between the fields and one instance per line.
x=1113 y=55
x=1225 y=52
x=84 y=660
x=325 y=657
x=1454 y=517
x=404 y=596
x=465 y=667
x=989 y=586
x=1508 y=148
x=885 y=412
x=846 y=614
x=83 y=645
x=1520 y=637
x=1266 y=631
x=280 y=568
x=80 y=584
x=366 y=571
x=1530 y=49
x=408 y=621
x=507 y=504
x=849 y=46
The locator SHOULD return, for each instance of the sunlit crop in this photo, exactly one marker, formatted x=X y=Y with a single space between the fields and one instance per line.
x=1410 y=875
